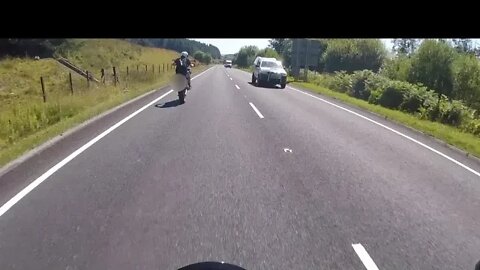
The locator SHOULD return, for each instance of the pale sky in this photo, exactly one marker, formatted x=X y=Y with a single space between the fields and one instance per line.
x=231 y=45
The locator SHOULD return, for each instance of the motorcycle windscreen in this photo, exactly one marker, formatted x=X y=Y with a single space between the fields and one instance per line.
x=179 y=82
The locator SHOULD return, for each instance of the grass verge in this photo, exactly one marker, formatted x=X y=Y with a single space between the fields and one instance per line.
x=450 y=135
x=90 y=104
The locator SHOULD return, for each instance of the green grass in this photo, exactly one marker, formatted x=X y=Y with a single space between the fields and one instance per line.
x=466 y=141
x=27 y=122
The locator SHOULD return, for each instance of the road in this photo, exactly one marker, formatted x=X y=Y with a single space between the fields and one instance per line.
x=263 y=178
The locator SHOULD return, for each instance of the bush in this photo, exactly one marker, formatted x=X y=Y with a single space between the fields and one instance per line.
x=354 y=54
x=441 y=109
x=432 y=66
x=246 y=56
x=414 y=98
x=392 y=96
x=453 y=113
x=472 y=126
x=202 y=57
x=376 y=85
x=430 y=109
x=467 y=80
x=360 y=87
x=207 y=59
x=198 y=55
x=340 y=82
x=397 y=68
x=268 y=52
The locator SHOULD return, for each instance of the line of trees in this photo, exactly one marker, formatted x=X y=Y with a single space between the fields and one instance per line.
x=247 y=54
x=202 y=57
x=29 y=47
x=47 y=47
x=179 y=44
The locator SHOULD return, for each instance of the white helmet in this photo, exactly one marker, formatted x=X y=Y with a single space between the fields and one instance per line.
x=185 y=54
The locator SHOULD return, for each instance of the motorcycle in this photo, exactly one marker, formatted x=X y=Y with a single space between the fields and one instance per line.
x=181 y=83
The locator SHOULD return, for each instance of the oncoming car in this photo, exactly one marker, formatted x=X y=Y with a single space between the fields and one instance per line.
x=268 y=71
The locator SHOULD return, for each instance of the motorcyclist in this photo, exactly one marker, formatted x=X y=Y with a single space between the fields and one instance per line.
x=182 y=66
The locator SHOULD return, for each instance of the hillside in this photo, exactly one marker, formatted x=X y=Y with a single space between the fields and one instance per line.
x=27 y=121
x=179 y=44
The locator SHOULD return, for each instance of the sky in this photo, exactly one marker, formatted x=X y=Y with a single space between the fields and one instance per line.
x=230 y=45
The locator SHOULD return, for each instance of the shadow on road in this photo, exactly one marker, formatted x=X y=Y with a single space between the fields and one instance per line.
x=173 y=103
x=265 y=86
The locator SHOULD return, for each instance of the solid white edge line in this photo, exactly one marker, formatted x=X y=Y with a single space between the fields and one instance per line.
x=256 y=110
x=394 y=131
x=77 y=152
x=364 y=257
x=237 y=87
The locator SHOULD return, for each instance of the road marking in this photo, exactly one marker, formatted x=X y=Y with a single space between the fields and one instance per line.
x=77 y=152
x=237 y=87
x=287 y=150
x=394 y=131
x=231 y=79
x=364 y=257
x=256 y=110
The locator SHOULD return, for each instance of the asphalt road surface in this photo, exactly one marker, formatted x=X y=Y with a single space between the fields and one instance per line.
x=264 y=178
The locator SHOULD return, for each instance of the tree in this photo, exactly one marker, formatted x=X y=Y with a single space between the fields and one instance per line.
x=246 y=56
x=29 y=47
x=354 y=54
x=207 y=58
x=466 y=70
x=283 y=46
x=397 y=68
x=179 y=44
x=268 y=52
x=198 y=55
x=463 y=45
x=432 y=66
x=278 y=44
x=405 y=46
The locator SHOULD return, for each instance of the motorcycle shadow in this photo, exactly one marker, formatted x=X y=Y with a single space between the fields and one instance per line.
x=169 y=104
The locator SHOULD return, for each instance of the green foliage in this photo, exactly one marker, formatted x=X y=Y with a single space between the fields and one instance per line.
x=451 y=112
x=415 y=97
x=359 y=87
x=202 y=57
x=432 y=66
x=23 y=113
x=397 y=68
x=467 y=80
x=198 y=55
x=392 y=96
x=246 y=56
x=283 y=47
x=207 y=59
x=354 y=54
x=179 y=45
x=29 y=47
x=405 y=46
x=473 y=126
x=463 y=45
x=268 y=52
